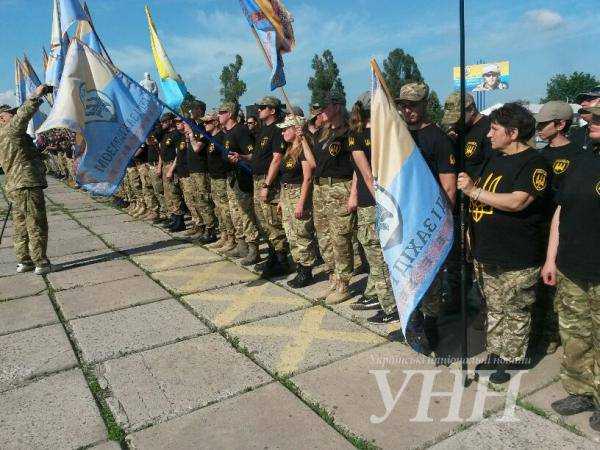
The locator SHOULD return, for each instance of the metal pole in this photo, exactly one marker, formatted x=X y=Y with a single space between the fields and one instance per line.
x=5 y=221
x=461 y=197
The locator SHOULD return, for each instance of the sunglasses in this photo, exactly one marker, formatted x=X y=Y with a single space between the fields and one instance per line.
x=541 y=125
x=250 y=122
x=260 y=107
x=222 y=112
x=490 y=74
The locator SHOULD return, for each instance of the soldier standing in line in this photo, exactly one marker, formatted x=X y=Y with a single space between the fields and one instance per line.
x=240 y=145
x=25 y=183
x=580 y=136
x=266 y=159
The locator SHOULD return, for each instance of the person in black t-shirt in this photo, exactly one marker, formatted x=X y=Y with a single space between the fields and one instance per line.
x=580 y=136
x=295 y=178
x=334 y=224
x=266 y=159
x=438 y=151
x=508 y=234
x=572 y=265
x=378 y=293
x=478 y=147
x=239 y=144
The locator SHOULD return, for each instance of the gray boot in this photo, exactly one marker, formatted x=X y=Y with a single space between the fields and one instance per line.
x=240 y=250
x=252 y=256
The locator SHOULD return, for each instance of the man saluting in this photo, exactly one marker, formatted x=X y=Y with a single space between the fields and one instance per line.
x=25 y=180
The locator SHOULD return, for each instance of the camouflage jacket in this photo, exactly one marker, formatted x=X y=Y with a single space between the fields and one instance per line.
x=20 y=159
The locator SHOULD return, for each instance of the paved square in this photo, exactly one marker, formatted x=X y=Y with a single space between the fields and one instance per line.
x=57 y=412
x=238 y=304
x=268 y=417
x=139 y=328
x=173 y=259
x=21 y=285
x=110 y=296
x=204 y=277
x=93 y=274
x=304 y=339
x=24 y=313
x=34 y=352
x=166 y=382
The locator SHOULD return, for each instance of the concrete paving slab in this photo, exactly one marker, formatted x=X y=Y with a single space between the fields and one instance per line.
x=138 y=328
x=204 y=277
x=92 y=274
x=7 y=255
x=34 y=352
x=21 y=285
x=173 y=259
x=530 y=431
x=545 y=397
x=57 y=412
x=352 y=394
x=268 y=417
x=108 y=445
x=159 y=384
x=25 y=313
x=156 y=247
x=361 y=317
x=303 y=340
x=100 y=211
x=110 y=296
x=7 y=269
x=74 y=244
x=235 y=305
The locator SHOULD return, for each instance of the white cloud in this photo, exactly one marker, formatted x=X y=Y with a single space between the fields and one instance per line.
x=7 y=97
x=545 y=18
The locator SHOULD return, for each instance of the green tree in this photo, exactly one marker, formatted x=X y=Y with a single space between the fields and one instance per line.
x=566 y=87
x=435 y=112
x=232 y=88
x=400 y=68
x=325 y=78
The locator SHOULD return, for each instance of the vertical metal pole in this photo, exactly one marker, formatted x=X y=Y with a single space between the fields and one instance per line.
x=461 y=196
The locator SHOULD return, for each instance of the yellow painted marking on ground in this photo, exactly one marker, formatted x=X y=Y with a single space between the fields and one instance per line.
x=304 y=335
x=160 y=261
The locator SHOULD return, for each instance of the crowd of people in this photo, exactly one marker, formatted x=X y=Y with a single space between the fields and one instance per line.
x=304 y=186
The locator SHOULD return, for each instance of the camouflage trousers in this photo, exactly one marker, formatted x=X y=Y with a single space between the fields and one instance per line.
x=196 y=192
x=150 y=199
x=579 y=321
x=267 y=217
x=173 y=196
x=242 y=213
x=31 y=226
x=334 y=227
x=157 y=187
x=133 y=185
x=509 y=297
x=218 y=191
x=378 y=282
x=64 y=164
x=300 y=232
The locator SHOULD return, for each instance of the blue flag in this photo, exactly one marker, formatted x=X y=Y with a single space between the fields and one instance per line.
x=26 y=83
x=70 y=11
x=111 y=115
x=414 y=218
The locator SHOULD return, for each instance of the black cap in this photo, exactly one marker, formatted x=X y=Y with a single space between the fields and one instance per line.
x=594 y=93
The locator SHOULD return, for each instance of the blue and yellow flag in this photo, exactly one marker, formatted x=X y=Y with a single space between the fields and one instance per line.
x=272 y=24
x=26 y=81
x=58 y=49
x=173 y=87
x=414 y=218
x=111 y=115
x=70 y=12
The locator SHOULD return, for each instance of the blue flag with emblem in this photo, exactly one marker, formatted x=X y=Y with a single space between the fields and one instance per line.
x=26 y=81
x=414 y=217
x=110 y=114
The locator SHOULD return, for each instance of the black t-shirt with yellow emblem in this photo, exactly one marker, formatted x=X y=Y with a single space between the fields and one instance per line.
x=333 y=156
x=290 y=169
x=579 y=229
x=478 y=147
x=511 y=240
x=559 y=160
x=218 y=165
x=437 y=149
x=269 y=141
x=239 y=140
x=361 y=142
x=169 y=145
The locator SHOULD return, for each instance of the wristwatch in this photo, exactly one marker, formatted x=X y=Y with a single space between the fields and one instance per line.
x=265 y=186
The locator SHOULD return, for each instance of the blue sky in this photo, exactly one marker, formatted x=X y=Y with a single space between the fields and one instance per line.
x=540 y=38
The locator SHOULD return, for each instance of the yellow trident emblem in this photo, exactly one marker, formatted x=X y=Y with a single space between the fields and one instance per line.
x=470 y=148
x=539 y=179
x=335 y=148
x=598 y=188
x=478 y=209
x=290 y=163
x=560 y=166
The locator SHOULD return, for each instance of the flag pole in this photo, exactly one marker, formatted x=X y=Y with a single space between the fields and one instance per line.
x=91 y=22
x=379 y=75
x=461 y=196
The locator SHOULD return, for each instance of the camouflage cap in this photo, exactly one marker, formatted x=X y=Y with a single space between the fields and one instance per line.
x=452 y=107
x=365 y=100
x=554 y=110
x=315 y=110
x=270 y=101
x=230 y=107
x=291 y=121
x=594 y=93
x=167 y=116
x=7 y=108
x=210 y=116
x=335 y=97
x=595 y=110
x=413 y=92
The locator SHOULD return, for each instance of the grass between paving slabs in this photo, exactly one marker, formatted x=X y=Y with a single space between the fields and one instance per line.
x=115 y=432
x=549 y=416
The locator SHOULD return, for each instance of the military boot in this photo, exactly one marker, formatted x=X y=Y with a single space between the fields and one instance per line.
x=228 y=245
x=167 y=224
x=151 y=216
x=178 y=224
x=252 y=256
x=303 y=278
x=240 y=250
x=209 y=236
x=431 y=331
x=219 y=243
x=194 y=231
x=573 y=404
x=595 y=421
x=340 y=294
